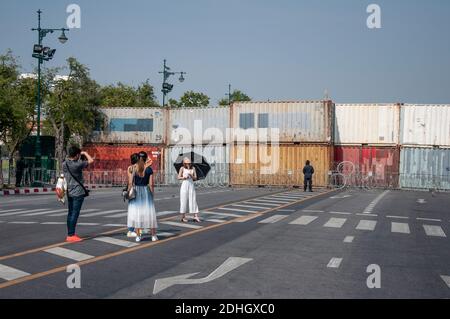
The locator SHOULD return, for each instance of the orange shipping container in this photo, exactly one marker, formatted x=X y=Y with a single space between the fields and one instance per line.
x=282 y=165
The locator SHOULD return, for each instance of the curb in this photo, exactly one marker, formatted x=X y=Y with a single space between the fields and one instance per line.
x=40 y=190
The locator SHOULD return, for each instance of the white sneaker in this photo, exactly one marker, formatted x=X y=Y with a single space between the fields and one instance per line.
x=131 y=234
x=138 y=238
x=154 y=238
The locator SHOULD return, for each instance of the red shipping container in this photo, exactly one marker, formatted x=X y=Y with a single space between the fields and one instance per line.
x=368 y=165
x=117 y=157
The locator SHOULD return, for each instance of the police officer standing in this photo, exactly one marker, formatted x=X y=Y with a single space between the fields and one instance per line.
x=308 y=172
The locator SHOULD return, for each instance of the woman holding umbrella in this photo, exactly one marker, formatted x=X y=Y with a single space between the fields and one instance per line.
x=188 y=200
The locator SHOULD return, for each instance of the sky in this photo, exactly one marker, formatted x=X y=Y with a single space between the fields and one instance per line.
x=270 y=49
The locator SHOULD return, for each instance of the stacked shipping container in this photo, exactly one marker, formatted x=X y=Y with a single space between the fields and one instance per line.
x=272 y=141
x=201 y=130
x=366 y=138
x=425 y=151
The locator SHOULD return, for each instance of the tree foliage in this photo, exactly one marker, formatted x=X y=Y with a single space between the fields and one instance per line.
x=191 y=99
x=236 y=96
x=122 y=95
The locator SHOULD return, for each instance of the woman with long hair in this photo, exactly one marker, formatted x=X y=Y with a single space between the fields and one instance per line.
x=188 y=200
x=141 y=209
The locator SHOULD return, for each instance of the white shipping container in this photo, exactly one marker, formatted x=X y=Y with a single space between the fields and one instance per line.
x=217 y=156
x=132 y=126
x=425 y=125
x=207 y=125
x=308 y=122
x=366 y=124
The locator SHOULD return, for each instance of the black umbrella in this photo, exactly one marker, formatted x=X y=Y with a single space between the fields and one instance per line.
x=201 y=165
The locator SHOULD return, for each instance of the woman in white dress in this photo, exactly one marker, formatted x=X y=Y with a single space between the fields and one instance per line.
x=141 y=209
x=188 y=200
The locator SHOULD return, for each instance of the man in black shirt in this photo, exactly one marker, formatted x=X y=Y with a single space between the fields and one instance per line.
x=308 y=172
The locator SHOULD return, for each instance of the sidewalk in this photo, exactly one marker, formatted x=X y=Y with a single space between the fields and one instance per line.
x=40 y=190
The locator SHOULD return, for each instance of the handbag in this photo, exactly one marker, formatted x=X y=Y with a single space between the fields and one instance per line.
x=86 y=191
x=131 y=194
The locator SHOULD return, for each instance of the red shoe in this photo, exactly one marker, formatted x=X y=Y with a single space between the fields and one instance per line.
x=73 y=239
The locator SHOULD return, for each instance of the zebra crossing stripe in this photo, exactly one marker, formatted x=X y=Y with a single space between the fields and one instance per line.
x=213 y=220
x=248 y=206
x=82 y=212
x=222 y=214
x=349 y=239
x=312 y=211
x=262 y=203
x=164 y=234
x=366 y=225
x=53 y=223
x=10 y=210
x=117 y=215
x=24 y=223
x=402 y=228
x=9 y=273
x=271 y=200
x=22 y=212
x=265 y=202
x=304 y=220
x=334 y=262
x=115 y=241
x=446 y=279
x=181 y=225
x=273 y=219
x=335 y=222
x=102 y=213
x=68 y=253
x=237 y=210
x=47 y=212
x=434 y=231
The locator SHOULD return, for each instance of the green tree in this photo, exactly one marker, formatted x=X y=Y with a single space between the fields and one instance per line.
x=122 y=95
x=17 y=105
x=193 y=99
x=72 y=107
x=236 y=96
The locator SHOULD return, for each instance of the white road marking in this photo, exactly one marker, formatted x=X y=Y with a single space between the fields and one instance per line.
x=402 y=228
x=82 y=212
x=281 y=199
x=115 y=241
x=397 y=217
x=222 y=214
x=267 y=205
x=304 y=220
x=213 y=220
x=288 y=197
x=313 y=211
x=47 y=212
x=286 y=210
x=349 y=239
x=185 y=225
x=340 y=213
x=114 y=225
x=366 y=225
x=421 y=201
x=429 y=219
x=273 y=219
x=266 y=202
x=68 y=253
x=248 y=206
x=166 y=212
x=117 y=215
x=22 y=212
x=10 y=210
x=54 y=223
x=372 y=205
x=164 y=234
x=335 y=222
x=88 y=224
x=102 y=213
x=367 y=214
x=435 y=231
x=270 y=201
x=446 y=279
x=25 y=223
x=334 y=262
x=237 y=210
x=9 y=273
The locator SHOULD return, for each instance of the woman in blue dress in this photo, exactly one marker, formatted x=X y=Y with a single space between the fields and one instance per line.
x=141 y=209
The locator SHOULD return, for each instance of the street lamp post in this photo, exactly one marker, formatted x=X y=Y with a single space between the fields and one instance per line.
x=167 y=87
x=42 y=54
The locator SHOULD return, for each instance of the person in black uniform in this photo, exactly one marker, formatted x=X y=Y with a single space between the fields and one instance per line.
x=308 y=172
x=20 y=167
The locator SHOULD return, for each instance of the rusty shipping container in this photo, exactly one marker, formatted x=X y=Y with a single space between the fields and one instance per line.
x=131 y=126
x=366 y=166
x=282 y=165
x=425 y=125
x=206 y=125
x=425 y=168
x=374 y=124
x=218 y=157
x=297 y=122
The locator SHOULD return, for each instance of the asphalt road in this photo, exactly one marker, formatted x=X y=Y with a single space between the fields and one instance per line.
x=253 y=243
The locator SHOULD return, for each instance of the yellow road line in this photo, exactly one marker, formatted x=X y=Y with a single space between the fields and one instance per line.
x=132 y=249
